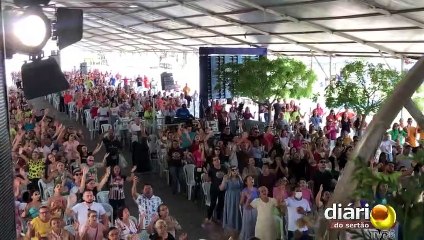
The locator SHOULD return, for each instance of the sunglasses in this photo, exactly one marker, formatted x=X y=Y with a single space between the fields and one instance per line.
x=217 y=149
x=322 y=162
x=77 y=174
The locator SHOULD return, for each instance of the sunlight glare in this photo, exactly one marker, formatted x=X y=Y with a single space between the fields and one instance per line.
x=31 y=30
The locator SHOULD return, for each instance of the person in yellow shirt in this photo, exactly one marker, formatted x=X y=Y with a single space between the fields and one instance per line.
x=39 y=227
x=412 y=133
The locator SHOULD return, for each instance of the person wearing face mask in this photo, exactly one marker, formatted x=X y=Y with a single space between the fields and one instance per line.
x=297 y=207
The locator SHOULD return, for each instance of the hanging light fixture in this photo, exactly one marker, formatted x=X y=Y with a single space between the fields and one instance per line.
x=29 y=30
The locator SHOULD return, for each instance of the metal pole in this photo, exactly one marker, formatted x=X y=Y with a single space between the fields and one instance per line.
x=371 y=139
x=7 y=199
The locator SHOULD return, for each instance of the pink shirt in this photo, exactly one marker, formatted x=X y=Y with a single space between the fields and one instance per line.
x=297 y=144
x=280 y=194
x=95 y=233
x=307 y=194
x=198 y=159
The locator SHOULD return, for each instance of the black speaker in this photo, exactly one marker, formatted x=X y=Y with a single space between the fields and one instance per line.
x=42 y=77
x=83 y=68
x=69 y=26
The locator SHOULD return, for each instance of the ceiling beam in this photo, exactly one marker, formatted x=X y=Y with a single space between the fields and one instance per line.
x=380 y=9
x=236 y=23
x=165 y=29
x=195 y=26
x=118 y=26
x=105 y=36
x=296 y=33
x=107 y=39
x=318 y=26
x=135 y=31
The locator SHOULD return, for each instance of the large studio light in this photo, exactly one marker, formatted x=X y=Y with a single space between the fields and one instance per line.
x=27 y=31
x=32 y=30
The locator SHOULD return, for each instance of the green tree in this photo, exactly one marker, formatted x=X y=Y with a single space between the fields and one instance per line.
x=264 y=81
x=406 y=195
x=364 y=87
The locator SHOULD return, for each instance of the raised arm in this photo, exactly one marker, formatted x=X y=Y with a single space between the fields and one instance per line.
x=104 y=179
x=134 y=188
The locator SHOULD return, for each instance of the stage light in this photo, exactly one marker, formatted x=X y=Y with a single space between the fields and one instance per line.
x=27 y=31
x=31 y=31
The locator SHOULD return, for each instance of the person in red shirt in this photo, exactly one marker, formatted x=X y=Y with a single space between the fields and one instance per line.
x=319 y=111
x=94 y=109
x=350 y=115
x=67 y=98
x=331 y=116
x=86 y=101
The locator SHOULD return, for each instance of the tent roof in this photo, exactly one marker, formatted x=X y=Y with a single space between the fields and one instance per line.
x=378 y=28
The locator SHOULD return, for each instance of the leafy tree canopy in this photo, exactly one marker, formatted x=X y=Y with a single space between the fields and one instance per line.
x=406 y=197
x=364 y=87
x=264 y=80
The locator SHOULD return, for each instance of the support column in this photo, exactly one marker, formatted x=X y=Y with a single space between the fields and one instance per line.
x=7 y=199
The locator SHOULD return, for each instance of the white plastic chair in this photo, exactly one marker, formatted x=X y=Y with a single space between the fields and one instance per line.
x=105 y=127
x=92 y=127
x=109 y=211
x=189 y=177
x=56 y=102
x=206 y=186
x=71 y=109
x=103 y=197
x=134 y=220
x=70 y=229
x=164 y=165
x=116 y=125
x=88 y=118
x=46 y=189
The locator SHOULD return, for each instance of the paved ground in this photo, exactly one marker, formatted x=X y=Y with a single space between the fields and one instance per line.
x=189 y=214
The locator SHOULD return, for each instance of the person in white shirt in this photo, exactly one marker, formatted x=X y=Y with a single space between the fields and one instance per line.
x=135 y=129
x=147 y=203
x=123 y=128
x=297 y=207
x=80 y=210
x=386 y=147
x=48 y=146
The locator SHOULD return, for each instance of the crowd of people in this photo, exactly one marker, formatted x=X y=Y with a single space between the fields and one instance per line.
x=58 y=187
x=271 y=183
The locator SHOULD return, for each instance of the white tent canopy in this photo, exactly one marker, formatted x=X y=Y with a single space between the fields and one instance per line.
x=376 y=28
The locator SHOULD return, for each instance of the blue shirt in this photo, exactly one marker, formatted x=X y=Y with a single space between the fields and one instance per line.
x=183 y=113
x=29 y=127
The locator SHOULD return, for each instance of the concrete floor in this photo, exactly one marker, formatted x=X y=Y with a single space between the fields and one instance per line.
x=189 y=214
